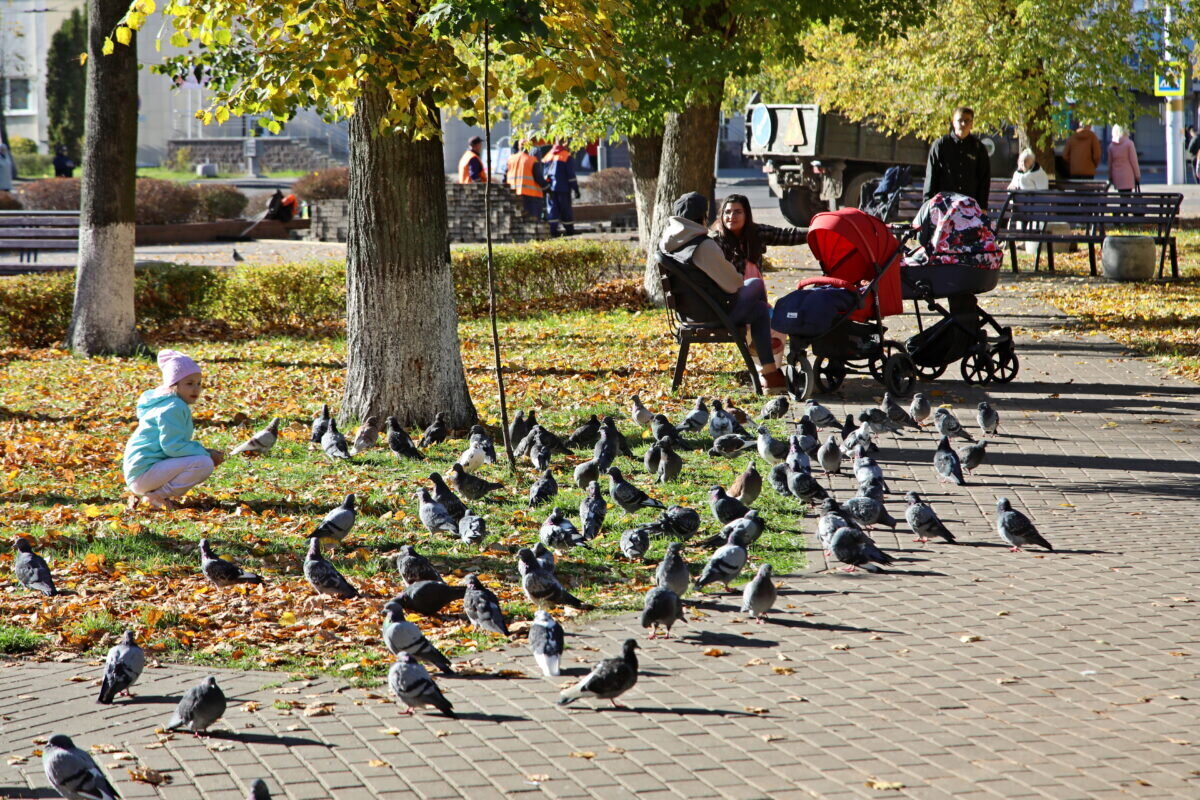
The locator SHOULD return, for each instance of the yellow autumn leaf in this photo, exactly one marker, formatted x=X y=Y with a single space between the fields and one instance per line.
x=287 y=619
x=82 y=59
x=124 y=34
x=108 y=47
x=91 y=511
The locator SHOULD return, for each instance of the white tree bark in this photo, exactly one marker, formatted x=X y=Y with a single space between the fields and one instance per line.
x=103 y=319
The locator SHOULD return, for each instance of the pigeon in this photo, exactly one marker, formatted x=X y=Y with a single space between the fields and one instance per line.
x=473 y=457
x=221 y=572
x=479 y=437
x=946 y=463
x=334 y=444
x=777 y=477
x=772 y=450
x=541 y=586
x=605 y=452
x=725 y=564
x=677 y=521
x=803 y=485
x=323 y=576
x=238 y=256
x=31 y=569
x=661 y=606
x=592 y=510
x=367 y=435
x=544 y=556
x=832 y=517
x=855 y=549
x=821 y=416
x=399 y=442
x=972 y=455
x=258 y=790
x=639 y=413
x=874 y=489
x=1017 y=529
x=470 y=486
x=867 y=512
x=896 y=414
x=442 y=494
x=669 y=464
x=483 y=607
x=430 y=597
x=122 y=668
x=697 y=418
x=949 y=426
x=747 y=486
x=635 y=542
x=720 y=423
x=586 y=435
x=924 y=520
x=261 y=442
x=546 y=642
x=414 y=567
x=988 y=419
x=608 y=680
x=759 y=594
x=775 y=408
x=543 y=490
x=653 y=455
x=338 y=522
x=740 y=417
x=587 y=472
x=725 y=508
x=858 y=439
x=673 y=571
x=201 y=706
x=73 y=773
x=829 y=456
x=472 y=529
x=920 y=408
x=539 y=456
x=539 y=434
x=877 y=421
x=559 y=533
x=628 y=496
x=518 y=429
x=402 y=636
x=867 y=469
x=410 y=682
x=729 y=444
x=320 y=424
x=661 y=428
x=433 y=514
x=437 y=432
x=800 y=451
x=750 y=527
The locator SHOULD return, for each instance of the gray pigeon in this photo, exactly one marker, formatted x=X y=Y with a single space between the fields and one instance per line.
x=541 y=586
x=323 y=576
x=433 y=515
x=367 y=435
x=608 y=680
x=669 y=464
x=972 y=455
x=832 y=517
x=920 y=408
x=604 y=453
x=747 y=486
x=801 y=448
x=437 y=432
x=31 y=569
x=672 y=571
x=559 y=533
x=725 y=508
x=628 y=496
x=587 y=472
x=697 y=418
x=988 y=419
x=337 y=522
x=222 y=572
x=592 y=510
x=73 y=773
x=804 y=486
x=661 y=428
x=471 y=486
x=821 y=416
x=661 y=606
x=653 y=455
x=472 y=530
x=410 y=682
x=749 y=528
x=949 y=426
x=539 y=456
x=859 y=440
x=334 y=444
x=896 y=414
x=483 y=607
x=725 y=564
x=586 y=435
x=122 y=668
x=635 y=542
x=759 y=594
x=868 y=512
x=777 y=477
x=875 y=489
x=775 y=408
x=1016 y=529
x=829 y=456
x=866 y=469
x=402 y=636
x=924 y=520
x=261 y=442
x=399 y=442
x=639 y=413
x=854 y=548
x=877 y=421
x=546 y=640
x=543 y=490
x=729 y=443
x=430 y=597
x=720 y=422
x=771 y=449
x=480 y=438
x=201 y=706
x=518 y=429
x=320 y=424
x=946 y=463
x=450 y=501
x=414 y=567
x=258 y=790
x=676 y=521
x=544 y=556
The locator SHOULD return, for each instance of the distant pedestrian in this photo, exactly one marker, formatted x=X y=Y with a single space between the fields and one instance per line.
x=1192 y=145
x=958 y=162
x=470 y=166
x=1082 y=153
x=6 y=169
x=64 y=165
x=1123 y=171
x=561 y=184
x=524 y=175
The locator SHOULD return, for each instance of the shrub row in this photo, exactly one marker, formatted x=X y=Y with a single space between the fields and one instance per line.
x=324 y=184
x=36 y=309
x=157 y=202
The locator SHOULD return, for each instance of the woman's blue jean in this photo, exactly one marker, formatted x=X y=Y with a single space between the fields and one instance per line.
x=751 y=308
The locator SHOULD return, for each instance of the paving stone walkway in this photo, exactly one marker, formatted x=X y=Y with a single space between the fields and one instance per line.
x=965 y=672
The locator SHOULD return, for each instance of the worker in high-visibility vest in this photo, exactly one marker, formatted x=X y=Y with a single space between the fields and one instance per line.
x=561 y=180
x=470 y=166
x=524 y=177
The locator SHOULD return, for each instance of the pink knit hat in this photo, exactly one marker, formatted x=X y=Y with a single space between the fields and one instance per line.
x=175 y=366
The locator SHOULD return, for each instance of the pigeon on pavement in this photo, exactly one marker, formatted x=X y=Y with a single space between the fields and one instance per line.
x=338 y=522
x=854 y=548
x=323 y=576
x=437 y=432
x=433 y=515
x=402 y=636
x=400 y=443
x=608 y=680
x=541 y=586
x=73 y=773
x=639 y=413
x=672 y=571
x=546 y=641
x=725 y=508
x=1017 y=529
x=450 y=501
x=414 y=567
x=949 y=426
x=661 y=606
x=775 y=408
x=261 y=442
x=592 y=510
x=896 y=414
x=559 y=533
x=759 y=594
x=410 y=682
x=320 y=424
x=920 y=408
x=367 y=435
x=628 y=496
x=201 y=706
x=334 y=444
x=821 y=416
x=31 y=569
x=222 y=572
x=832 y=516
x=122 y=668
x=829 y=456
x=483 y=607
x=988 y=419
x=924 y=520
x=946 y=463
x=868 y=512
x=543 y=490
x=258 y=790
x=747 y=486
x=803 y=485
x=972 y=455
x=877 y=421
x=725 y=564
x=430 y=597
x=471 y=486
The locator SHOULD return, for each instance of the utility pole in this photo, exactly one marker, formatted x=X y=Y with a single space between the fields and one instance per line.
x=1174 y=106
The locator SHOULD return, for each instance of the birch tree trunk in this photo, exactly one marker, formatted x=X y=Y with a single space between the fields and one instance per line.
x=645 y=155
x=102 y=320
x=402 y=348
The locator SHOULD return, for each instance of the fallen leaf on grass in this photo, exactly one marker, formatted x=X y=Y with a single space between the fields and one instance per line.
x=147 y=775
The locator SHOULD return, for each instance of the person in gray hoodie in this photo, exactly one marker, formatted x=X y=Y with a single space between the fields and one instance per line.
x=745 y=301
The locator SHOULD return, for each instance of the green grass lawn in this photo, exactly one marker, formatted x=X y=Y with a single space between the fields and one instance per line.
x=64 y=422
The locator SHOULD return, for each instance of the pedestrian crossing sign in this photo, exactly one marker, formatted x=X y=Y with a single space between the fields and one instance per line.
x=1168 y=79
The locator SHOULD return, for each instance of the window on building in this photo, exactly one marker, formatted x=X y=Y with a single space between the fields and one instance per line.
x=18 y=94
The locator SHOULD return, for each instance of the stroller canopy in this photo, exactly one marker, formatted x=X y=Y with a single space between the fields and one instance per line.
x=852 y=245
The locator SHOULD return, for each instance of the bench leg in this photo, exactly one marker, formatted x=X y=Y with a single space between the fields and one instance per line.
x=1012 y=251
x=680 y=363
x=1037 y=258
x=1174 y=259
x=1162 y=260
x=1050 y=256
x=1092 y=258
x=753 y=370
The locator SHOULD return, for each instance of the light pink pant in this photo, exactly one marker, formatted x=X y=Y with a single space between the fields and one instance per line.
x=172 y=477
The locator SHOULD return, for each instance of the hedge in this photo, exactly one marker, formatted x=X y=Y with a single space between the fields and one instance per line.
x=157 y=202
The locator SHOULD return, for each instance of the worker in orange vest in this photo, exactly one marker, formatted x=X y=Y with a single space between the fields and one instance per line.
x=470 y=166
x=524 y=177
x=561 y=180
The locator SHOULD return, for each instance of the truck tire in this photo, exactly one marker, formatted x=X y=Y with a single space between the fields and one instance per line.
x=799 y=204
x=853 y=187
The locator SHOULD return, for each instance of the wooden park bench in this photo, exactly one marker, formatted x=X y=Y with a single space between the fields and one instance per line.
x=911 y=198
x=1090 y=215
x=714 y=328
x=29 y=233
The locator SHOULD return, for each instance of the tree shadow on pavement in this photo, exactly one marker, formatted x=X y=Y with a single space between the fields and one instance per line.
x=687 y=712
x=479 y=716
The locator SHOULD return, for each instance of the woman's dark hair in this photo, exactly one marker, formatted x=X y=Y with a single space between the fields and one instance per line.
x=750 y=245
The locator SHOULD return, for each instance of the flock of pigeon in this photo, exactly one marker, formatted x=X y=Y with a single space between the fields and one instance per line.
x=842 y=527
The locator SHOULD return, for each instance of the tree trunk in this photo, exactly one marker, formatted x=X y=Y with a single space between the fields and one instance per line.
x=645 y=154
x=402 y=348
x=688 y=150
x=1036 y=133
x=103 y=320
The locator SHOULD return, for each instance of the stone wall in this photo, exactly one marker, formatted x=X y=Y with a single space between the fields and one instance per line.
x=275 y=153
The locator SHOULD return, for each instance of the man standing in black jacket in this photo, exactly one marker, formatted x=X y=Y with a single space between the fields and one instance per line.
x=958 y=162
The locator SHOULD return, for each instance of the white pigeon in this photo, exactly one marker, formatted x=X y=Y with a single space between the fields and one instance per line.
x=473 y=457
x=261 y=442
x=639 y=413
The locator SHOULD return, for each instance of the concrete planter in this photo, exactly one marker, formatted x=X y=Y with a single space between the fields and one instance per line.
x=1128 y=258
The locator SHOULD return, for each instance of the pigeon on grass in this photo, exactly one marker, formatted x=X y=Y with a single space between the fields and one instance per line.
x=559 y=533
x=261 y=442
x=450 y=501
x=628 y=496
x=592 y=511
x=402 y=636
x=639 y=413
x=320 y=424
x=334 y=443
x=483 y=607
x=748 y=485
x=433 y=515
x=725 y=564
x=399 y=442
x=221 y=571
x=471 y=486
x=543 y=490
x=338 y=522
x=608 y=680
x=414 y=567
x=428 y=598
x=31 y=569
x=472 y=530
x=367 y=436
x=437 y=432
x=324 y=577
x=697 y=418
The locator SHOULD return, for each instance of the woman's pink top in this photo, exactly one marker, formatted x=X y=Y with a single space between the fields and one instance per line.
x=1123 y=170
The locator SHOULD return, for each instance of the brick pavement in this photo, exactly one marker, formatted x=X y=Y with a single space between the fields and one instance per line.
x=1081 y=684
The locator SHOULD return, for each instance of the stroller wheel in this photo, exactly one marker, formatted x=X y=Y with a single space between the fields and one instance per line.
x=800 y=380
x=930 y=373
x=1005 y=365
x=976 y=368
x=899 y=374
x=829 y=375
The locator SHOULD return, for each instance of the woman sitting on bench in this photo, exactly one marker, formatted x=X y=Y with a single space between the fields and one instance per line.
x=745 y=241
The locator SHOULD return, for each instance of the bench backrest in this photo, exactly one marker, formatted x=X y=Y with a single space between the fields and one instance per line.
x=38 y=219
x=1090 y=208
x=685 y=301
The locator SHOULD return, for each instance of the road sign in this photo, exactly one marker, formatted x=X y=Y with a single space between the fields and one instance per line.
x=1169 y=79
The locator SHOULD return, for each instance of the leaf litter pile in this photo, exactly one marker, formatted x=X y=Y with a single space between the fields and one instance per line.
x=64 y=423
